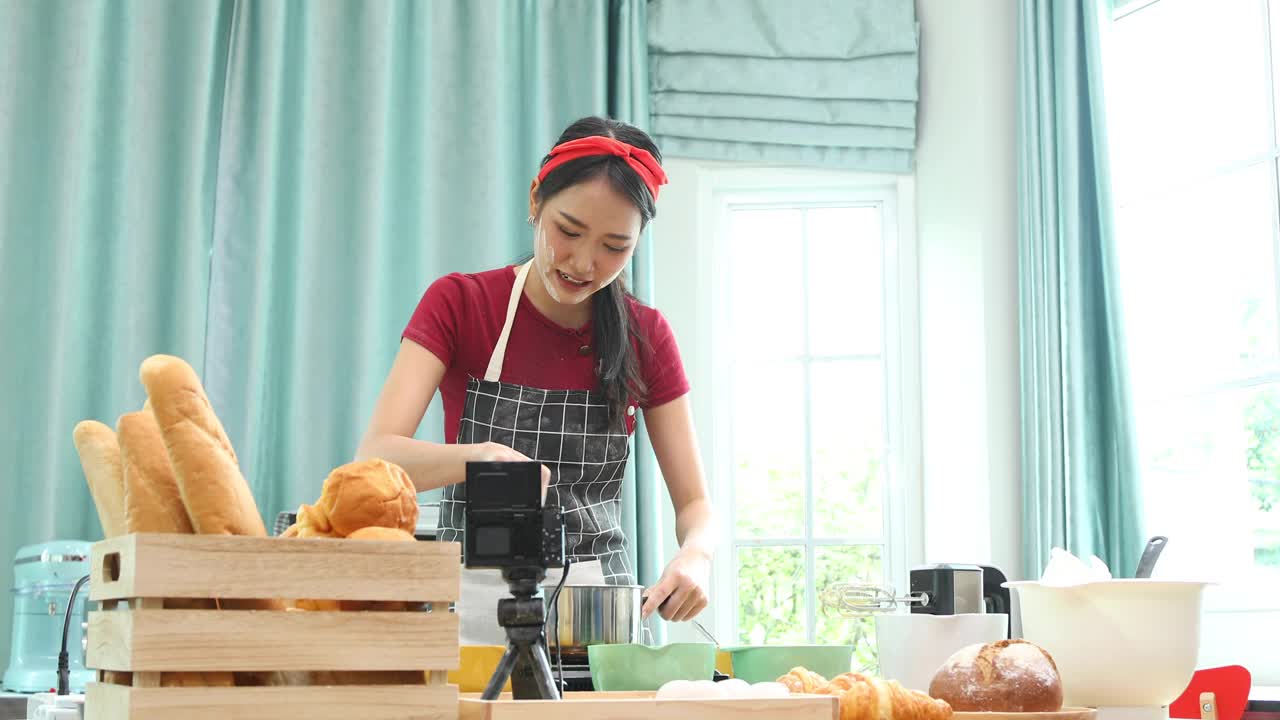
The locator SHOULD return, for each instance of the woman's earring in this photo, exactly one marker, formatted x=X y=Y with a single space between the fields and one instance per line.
x=529 y=220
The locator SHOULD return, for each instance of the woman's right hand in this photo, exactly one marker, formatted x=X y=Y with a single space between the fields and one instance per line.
x=497 y=452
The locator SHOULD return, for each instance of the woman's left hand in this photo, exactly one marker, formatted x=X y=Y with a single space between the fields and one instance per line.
x=681 y=592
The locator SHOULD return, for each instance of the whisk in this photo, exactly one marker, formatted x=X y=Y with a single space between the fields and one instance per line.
x=853 y=600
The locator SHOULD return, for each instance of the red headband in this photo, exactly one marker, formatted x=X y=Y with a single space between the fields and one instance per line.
x=638 y=159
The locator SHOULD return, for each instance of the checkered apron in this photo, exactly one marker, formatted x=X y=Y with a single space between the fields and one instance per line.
x=569 y=432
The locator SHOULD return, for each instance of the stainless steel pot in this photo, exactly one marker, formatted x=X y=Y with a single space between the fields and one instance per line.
x=592 y=614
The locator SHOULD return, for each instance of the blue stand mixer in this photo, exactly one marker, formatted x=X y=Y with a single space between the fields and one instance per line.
x=44 y=576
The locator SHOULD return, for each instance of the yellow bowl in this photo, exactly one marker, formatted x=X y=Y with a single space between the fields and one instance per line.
x=476 y=666
x=724 y=662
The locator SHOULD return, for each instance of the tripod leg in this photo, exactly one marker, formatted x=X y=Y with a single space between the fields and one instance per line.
x=542 y=670
x=500 y=675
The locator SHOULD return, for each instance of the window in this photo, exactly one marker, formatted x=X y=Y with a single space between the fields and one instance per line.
x=807 y=412
x=1191 y=112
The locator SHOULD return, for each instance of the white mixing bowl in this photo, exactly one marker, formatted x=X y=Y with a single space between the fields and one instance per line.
x=1116 y=642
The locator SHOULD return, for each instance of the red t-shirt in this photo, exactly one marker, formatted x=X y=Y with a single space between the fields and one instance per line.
x=460 y=318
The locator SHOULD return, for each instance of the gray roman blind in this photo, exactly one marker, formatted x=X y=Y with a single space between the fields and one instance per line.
x=829 y=83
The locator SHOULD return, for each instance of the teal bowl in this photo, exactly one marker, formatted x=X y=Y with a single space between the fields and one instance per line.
x=766 y=663
x=633 y=667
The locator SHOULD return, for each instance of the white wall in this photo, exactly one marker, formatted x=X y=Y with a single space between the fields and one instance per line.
x=966 y=222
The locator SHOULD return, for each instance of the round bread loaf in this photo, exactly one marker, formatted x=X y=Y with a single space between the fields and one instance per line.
x=1005 y=676
x=367 y=493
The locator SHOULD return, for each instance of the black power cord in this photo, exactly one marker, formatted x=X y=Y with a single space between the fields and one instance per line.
x=555 y=597
x=64 y=661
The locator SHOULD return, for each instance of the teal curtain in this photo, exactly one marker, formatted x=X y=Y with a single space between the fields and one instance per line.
x=1081 y=488
x=265 y=189
x=806 y=82
x=110 y=117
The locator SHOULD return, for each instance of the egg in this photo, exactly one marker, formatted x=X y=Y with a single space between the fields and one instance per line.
x=768 y=690
x=674 y=690
x=706 y=689
x=735 y=687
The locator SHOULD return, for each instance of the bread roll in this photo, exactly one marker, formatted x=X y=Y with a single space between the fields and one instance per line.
x=197 y=679
x=382 y=533
x=368 y=493
x=1005 y=676
x=368 y=533
x=311 y=522
x=152 y=501
x=357 y=677
x=368 y=677
x=216 y=495
x=100 y=458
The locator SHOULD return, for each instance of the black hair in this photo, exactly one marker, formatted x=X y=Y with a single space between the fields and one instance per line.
x=613 y=326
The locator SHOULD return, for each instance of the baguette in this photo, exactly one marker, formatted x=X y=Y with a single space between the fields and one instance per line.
x=99 y=453
x=214 y=492
x=152 y=501
x=153 y=504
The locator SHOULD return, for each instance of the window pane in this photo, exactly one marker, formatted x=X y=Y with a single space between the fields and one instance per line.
x=1198 y=283
x=767 y=281
x=849 y=564
x=771 y=604
x=1262 y=436
x=1211 y=473
x=768 y=449
x=847 y=436
x=1273 y=8
x=845 y=280
x=1186 y=91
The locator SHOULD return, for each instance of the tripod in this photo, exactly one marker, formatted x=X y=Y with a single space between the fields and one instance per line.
x=526 y=662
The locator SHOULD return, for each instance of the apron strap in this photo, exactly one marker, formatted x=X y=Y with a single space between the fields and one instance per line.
x=500 y=350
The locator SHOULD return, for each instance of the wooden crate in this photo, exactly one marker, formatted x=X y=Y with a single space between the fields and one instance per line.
x=643 y=706
x=136 y=632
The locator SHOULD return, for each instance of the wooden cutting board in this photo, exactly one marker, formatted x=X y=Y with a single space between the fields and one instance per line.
x=644 y=706
x=1066 y=713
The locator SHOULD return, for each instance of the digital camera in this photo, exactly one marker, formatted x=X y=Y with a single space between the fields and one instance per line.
x=507 y=525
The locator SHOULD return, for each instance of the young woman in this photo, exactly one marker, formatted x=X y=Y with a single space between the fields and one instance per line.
x=549 y=361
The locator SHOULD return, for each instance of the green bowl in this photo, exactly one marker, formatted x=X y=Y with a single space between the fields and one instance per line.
x=766 y=663
x=632 y=667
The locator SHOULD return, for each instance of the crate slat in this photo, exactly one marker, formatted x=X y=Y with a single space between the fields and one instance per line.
x=193 y=640
x=222 y=566
x=368 y=702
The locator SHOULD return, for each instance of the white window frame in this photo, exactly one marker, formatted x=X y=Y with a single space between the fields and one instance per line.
x=902 y=536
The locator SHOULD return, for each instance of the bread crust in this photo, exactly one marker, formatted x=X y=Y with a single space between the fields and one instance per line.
x=1004 y=676
x=215 y=493
x=152 y=502
x=367 y=493
x=99 y=452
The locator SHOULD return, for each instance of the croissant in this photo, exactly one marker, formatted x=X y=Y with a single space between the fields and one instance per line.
x=871 y=698
x=800 y=680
